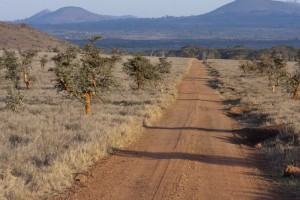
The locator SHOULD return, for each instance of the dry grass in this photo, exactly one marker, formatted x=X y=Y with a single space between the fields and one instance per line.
x=43 y=146
x=266 y=109
x=20 y=36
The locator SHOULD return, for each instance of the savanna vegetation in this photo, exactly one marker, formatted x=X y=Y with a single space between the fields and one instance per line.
x=62 y=111
x=262 y=95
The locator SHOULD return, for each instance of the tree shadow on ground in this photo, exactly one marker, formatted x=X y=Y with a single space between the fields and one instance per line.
x=208 y=159
x=189 y=129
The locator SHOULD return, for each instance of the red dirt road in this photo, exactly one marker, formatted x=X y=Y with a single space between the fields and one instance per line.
x=190 y=154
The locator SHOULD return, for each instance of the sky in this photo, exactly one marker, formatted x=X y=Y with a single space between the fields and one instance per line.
x=20 y=9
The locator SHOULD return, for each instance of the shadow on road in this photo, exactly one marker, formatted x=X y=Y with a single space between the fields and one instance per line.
x=198 y=100
x=209 y=159
x=189 y=129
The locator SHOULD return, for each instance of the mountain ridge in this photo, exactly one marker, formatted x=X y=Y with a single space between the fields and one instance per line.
x=68 y=15
x=241 y=20
x=262 y=7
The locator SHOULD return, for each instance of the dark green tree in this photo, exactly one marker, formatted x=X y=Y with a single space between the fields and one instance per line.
x=164 y=66
x=247 y=66
x=294 y=82
x=274 y=68
x=11 y=66
x=276 y=71
x=141 y=70
x=27 y=59
x=43 y=61
x=86 y=77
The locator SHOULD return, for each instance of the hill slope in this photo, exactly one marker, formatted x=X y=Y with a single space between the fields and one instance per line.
x=258 y=7
x=24 y=37
x=68 y=15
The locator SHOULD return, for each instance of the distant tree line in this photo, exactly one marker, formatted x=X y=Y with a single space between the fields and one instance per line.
x=237 y=52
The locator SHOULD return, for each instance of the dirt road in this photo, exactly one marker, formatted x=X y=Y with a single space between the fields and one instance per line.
x=190 y=154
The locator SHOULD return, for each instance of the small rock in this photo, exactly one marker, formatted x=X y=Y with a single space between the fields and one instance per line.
x=258 y=146
x=81 y=179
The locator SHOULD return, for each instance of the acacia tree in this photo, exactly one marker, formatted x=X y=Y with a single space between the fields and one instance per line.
x=9 y=66
x=263 y=65
x=84 y=78
x=27 y=59
x=164 y=66
x=141 y=70
x=247 y=66
x=274 y=68
x=44 y=61
x=276 y=72
x=294 y=82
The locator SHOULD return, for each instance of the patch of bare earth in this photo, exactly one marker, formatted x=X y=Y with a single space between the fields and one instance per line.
x=190 y=154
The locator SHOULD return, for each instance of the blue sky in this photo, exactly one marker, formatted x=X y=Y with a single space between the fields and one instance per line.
x=19 y=9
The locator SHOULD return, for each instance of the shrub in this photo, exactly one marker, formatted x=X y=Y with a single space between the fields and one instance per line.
x=14 y=100
x=84 y=78
x=44 y=61
x=9 y=62
x=141 y=70
x=164 y=65
x=274 y=68
x=293 y=81
x=247 y=66
x=27 y=59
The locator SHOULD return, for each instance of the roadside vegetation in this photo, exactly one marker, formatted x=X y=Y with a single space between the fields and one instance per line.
x=47 y=138
x=262 y=95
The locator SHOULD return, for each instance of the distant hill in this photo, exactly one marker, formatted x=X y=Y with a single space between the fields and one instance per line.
x=239 y=20
x=68 y=15
x=258 y=8
x=24 y=37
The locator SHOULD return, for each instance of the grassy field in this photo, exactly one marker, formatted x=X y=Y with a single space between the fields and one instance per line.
x=254 y=105
x=46 y=144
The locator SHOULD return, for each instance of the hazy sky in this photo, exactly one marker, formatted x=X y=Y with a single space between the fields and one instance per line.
x=19 y=9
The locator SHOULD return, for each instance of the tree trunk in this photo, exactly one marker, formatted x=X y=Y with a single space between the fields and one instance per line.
x=245 y=73
x=87 y=102
x=273 y=88
x=295 y=96
x=27 y=85
x=25 y=77
x=65 y=86
x=138 y=83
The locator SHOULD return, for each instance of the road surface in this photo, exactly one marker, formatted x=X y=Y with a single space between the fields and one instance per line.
x=190 y=154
